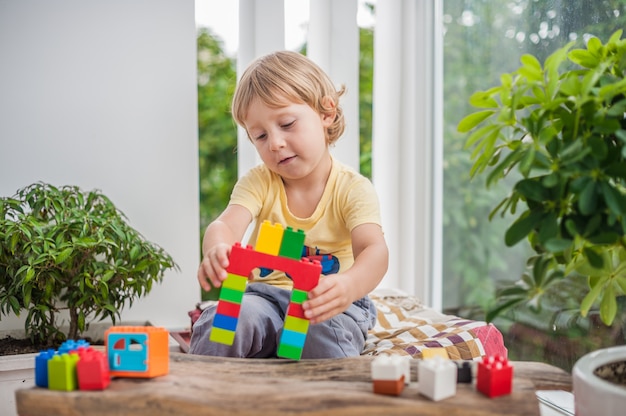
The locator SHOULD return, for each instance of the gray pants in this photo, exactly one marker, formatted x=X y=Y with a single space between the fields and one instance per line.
x=260 y=323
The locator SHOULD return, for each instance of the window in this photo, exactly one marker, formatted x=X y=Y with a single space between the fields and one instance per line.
x=482 y=40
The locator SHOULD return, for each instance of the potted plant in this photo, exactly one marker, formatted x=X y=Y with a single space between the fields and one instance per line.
x=562 y=126
x=65 y=249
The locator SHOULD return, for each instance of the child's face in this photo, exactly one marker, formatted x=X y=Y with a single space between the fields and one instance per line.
x=291 y=140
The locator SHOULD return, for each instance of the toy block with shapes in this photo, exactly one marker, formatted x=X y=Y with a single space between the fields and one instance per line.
x=390 y=374
x=494 y=376
x=437 y=378
x=276 y=249
x=137 y=351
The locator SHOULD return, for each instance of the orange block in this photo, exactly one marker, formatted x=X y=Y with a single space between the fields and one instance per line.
x=389 y=387
x=137 y=351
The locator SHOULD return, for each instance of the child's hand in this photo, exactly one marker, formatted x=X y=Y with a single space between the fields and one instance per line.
x=212 y=270
x=330 y=297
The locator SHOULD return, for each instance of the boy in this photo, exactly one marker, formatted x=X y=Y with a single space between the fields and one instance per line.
x=290 y=110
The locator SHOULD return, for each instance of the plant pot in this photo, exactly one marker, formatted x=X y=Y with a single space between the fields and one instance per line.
x=16 y=372
x=594 y=395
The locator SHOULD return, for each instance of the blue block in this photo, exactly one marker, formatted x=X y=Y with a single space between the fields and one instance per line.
x=225 y=322
x=72 y=345
x=41 y=368
x=293 y=338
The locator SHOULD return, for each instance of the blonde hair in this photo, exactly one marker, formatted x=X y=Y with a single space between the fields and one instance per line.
x=286 y=75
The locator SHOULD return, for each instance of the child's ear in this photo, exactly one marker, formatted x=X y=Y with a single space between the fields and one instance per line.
x=329 y=110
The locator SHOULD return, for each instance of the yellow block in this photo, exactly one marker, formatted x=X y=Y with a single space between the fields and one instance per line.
x=270 y=238
x=429 y=353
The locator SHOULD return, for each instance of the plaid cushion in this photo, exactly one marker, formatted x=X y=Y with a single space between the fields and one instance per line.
x=406 y=327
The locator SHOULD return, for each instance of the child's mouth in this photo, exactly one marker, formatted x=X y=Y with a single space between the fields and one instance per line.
x=286 y=160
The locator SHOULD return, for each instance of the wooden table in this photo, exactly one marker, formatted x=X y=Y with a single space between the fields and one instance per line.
x=227 y=386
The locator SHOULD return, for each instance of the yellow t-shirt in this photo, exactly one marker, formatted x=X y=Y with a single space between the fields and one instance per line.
x=349 y=200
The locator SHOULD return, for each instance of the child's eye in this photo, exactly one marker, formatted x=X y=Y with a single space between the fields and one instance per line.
x=260 y=136
x=287 y=125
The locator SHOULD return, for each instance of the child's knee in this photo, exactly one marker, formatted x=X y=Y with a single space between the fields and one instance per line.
x=339 y=337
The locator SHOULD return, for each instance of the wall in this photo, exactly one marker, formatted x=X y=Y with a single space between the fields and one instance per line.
x=102 y=94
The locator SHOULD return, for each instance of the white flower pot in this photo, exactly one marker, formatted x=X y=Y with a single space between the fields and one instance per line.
x=593 y=395
x=16 y=372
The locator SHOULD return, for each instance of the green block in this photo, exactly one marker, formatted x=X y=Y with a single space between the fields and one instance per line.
x=292 y=243
x=62 y=372
x=289 y=351
x=231 y=295
x=299 y=296
x=236 y=282
x=296 y=324
x=222 y=336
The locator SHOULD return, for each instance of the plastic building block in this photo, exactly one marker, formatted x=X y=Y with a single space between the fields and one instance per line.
x=276 y=249
x=72 y=345
x=75 y=365
x=494 y=377
x=41 y=367
x=223 y=336
x=92 y=370
x=137 y=351
x=228 y=308
x=269 y=239
x=292 y=244
x=304 y=273
x=62 y=372
x=464 y=372
x=437 y=378
x=429 y=353
x=390 y=374
x=295 y=329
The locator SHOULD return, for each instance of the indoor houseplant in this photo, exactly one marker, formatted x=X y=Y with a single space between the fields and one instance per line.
x=65 y=249
x=562 y=126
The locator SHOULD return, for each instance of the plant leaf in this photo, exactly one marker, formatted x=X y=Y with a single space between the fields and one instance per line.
x=558 y=245
x=594 y=259
x=472 y=120
x=608 y=305
x=64 y=255
x=522 y=227
x=591 y=297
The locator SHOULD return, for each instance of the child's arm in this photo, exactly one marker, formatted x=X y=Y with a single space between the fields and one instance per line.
x=219 y=237
x=335 y=293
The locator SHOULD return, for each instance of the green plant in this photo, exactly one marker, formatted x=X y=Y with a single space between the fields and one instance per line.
x=562 y=125
x=62 y=248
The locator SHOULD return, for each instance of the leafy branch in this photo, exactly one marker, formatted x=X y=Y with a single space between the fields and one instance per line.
x=564 y=130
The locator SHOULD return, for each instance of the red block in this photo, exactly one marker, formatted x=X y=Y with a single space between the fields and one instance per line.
x=227 y=308
x=92 y=370
x=304 y=273
x=494 y=377
x=295 y=309
x=241 y=260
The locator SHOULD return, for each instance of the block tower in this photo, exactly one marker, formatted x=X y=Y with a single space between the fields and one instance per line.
x=278 y=249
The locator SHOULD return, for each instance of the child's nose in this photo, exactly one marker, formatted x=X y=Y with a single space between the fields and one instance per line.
x=277 y=141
